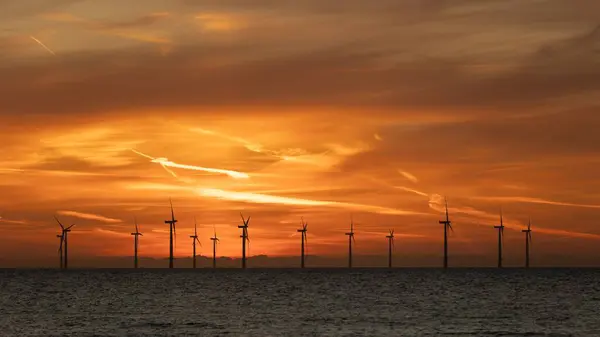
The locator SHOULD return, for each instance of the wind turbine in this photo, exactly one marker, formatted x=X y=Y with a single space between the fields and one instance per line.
x=172 y=233
x=245 y=238
x=447 y=225
x=304 y=241
x=60 y=249
x=64 y=241
x=194 y=240
x=390 y=246
x=350 y=240
x=136 y=236
x=500 y=239
x=527 y=242
x=215 y=239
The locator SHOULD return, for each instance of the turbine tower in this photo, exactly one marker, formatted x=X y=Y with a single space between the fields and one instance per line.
x=245 y=238
x=172 y=233
x=194 y=240
x=64 y=243
x=350 y=240
x=447 y=225
x=390 y=247
x=60 y=249
x=304 y=241
x=215 y=239
x=500 y=239
x=527 y=242
x=136 y=236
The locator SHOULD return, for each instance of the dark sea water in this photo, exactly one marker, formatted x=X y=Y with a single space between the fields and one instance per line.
x=320 y=302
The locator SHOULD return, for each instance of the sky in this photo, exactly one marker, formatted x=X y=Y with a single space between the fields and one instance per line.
x=282 y=110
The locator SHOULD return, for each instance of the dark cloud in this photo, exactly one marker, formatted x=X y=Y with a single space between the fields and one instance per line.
x=360 y=73
x=15 y=9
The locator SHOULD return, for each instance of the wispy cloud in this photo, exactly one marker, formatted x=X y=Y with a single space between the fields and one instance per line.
x=111 y=233
x=409 y=176
x=411 y=190
x=271 y=199
x=436 y=202
x=534 y=201
x=16 y=222
x=89 y=216
x=128 y=29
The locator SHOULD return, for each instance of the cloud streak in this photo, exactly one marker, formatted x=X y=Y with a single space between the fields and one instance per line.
x=270 y=199
x=89 y=216
x=535 y=201
x=408 y=176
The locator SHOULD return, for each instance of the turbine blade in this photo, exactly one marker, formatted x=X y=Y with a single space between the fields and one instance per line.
x=172 y=212
x=60 y=224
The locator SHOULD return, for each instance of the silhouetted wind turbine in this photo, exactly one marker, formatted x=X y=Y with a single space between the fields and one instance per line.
x=136 y=236
x=527 y=242
x=215 y=239
x=194 y=240
x=390 y=246
x=60 y=249
x=245 y=238
x=172 y=233
x=447 y=225
x=500 y=239
x=304 y=241
x=64 y=241
x=350 y=240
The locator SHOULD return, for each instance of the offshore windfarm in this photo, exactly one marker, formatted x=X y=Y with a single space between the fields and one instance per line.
x=302 y=257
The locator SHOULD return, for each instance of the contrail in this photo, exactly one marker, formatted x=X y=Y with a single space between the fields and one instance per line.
x=42 y=44
x=167 y=163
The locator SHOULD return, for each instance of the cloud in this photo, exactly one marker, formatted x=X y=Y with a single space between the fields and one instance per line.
x=88 y=216
x=353 y=75
x=16 y=222
x=111 y=233
x=408 y=176
x=534 y=201
x=131 y=29
x=270 y=199
x=436 y=203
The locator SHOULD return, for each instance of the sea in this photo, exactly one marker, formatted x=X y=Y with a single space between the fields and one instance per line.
x=295 y=302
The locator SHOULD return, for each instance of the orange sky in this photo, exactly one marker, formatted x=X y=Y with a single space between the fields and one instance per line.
x=285 y=110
